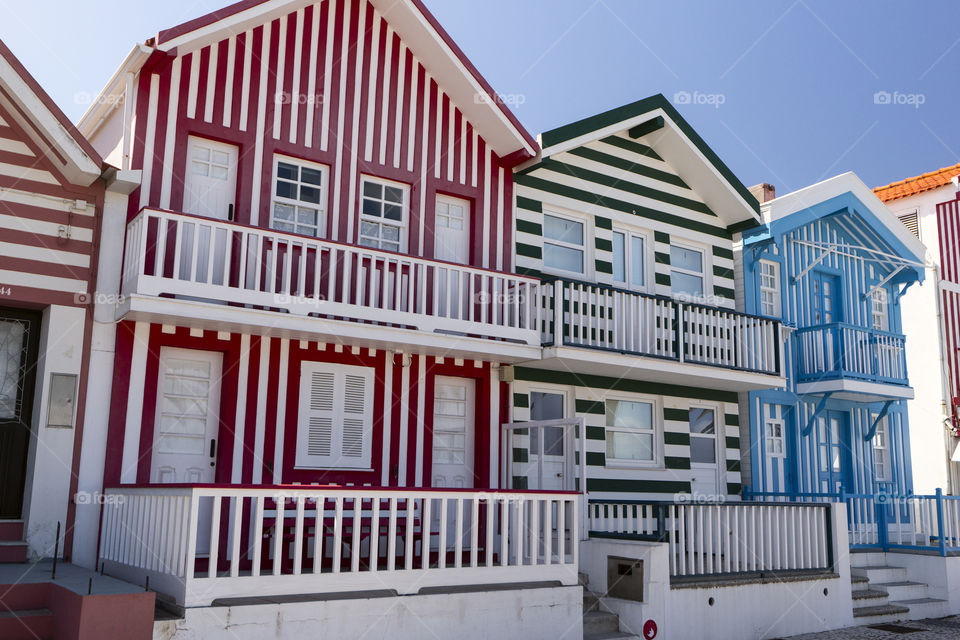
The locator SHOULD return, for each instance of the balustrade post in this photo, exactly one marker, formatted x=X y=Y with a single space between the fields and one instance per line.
x=941 y=530
x=680 y=330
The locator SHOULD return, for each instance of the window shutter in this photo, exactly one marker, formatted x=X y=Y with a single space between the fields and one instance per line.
x=335 y=424
x=911 y=222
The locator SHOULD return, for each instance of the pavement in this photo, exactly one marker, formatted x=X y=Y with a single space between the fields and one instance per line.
x=931 y=629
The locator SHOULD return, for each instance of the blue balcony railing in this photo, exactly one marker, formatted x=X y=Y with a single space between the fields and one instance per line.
x=838 y=350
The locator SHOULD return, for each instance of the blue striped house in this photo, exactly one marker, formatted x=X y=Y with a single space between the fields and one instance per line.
x=831 y=262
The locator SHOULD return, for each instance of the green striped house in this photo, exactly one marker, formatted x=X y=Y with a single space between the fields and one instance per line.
x=630 y=220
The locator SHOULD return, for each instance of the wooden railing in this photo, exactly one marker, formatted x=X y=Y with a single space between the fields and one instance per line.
x=602 y=317
x=200 y=258
x=723 y=538
x=840 y=350
x=203 y=542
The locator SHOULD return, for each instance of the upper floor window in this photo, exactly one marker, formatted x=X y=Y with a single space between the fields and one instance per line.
x=564 y=244
x=299 y=197
x=629 y=259
x=631 y=432
x=881 y=451
x=879 y=310
x=775 y=439
x=769 y=288
x=383 y=214
x=686 y=271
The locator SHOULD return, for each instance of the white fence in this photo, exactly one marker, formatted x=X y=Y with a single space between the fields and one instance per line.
x=603 y=317
x=729 y=538
x=200 y=258
x=200 y=543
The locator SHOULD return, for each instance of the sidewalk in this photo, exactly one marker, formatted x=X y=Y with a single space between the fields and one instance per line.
x=934 y=628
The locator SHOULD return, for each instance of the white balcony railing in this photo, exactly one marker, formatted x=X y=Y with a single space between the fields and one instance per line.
x=200 y=543
x=602 y=317
x=171 y=254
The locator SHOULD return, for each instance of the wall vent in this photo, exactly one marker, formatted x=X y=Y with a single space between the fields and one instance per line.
x=911 y=222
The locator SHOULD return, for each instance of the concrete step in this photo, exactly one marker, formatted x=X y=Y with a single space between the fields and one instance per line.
x=600 y=622
x=902 y=589
x=23 y=596
x=591 y=601
x=922 y=608
x=870 y=597
x=26 y=624
x=13 y=552
x=615 y=635
x=880 y=613
x=857 y=580
x=880 y=573
x=867 y=558
x=11 y=530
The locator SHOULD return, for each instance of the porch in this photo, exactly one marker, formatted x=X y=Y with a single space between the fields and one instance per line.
x=225 y=276
x=653 y=338
x=201 y=544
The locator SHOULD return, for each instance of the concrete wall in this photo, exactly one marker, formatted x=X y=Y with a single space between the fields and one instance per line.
x=51 y=448
x=549 y=613
x=941 y=575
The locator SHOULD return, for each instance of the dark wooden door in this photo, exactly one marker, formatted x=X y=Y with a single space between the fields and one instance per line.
x=19 y=339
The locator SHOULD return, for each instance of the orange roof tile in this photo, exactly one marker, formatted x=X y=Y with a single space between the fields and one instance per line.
x=917 y=184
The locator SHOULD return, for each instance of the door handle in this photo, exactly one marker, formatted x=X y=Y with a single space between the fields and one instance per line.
x=229 y=213
x=213 y=447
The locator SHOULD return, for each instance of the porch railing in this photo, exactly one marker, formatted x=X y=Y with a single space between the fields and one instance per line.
x=199 y=258
x=723 y=538
x=888 y=521
x=203 y=542
x=841 y=350
x=603 y=317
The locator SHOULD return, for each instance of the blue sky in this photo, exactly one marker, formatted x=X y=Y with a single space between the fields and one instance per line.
x=784 y=91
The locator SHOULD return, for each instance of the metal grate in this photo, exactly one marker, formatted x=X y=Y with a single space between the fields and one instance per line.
x=894 y=628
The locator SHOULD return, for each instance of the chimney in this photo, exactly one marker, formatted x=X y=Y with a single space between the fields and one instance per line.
x=763 y=192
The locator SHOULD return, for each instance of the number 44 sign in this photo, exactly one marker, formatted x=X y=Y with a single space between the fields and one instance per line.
x=649 y=630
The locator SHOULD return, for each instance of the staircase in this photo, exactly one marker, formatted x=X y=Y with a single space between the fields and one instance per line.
x=12 y=546
x=597 y=623
x=23 y=612
x=883 y=593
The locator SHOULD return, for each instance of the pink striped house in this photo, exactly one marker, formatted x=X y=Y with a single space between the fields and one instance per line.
x=316 y=299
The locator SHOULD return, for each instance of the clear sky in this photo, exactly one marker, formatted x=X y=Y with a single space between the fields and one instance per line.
x=785 y=91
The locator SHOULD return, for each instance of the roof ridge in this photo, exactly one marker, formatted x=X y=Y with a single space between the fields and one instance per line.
x=917 y=184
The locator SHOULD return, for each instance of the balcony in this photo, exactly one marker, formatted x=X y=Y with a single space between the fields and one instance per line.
x=200 y=543
x=851 y=362
x=657 y=339
x=230 y=277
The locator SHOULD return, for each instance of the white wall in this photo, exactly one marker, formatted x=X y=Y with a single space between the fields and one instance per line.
x=929 y=442
x=550 y=613
x=49 y=463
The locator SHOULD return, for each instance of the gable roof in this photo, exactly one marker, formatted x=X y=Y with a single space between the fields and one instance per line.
x=415 y=25
x=854 y=208
x=44 y=122
x=917 y=184
x=656 y=122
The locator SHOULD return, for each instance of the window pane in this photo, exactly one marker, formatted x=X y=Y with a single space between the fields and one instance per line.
x=371 y=208
x=702 y=421
x=307 y=216
x=546 y=406
x=564 y=258
x=393 y=194
x=702 y=449
x=683 y=258
x=562 y=229
x=619 y=258
x=625 y=413
x=393 y=212
x=686 y=283
x=372 y=189
x=636 y=261
x=310 y=194
x=286 y=171
x=311 y=176
x=282 y=212
x=390 y=232
x=630 y=446
x=286 y=190
x=370 y=229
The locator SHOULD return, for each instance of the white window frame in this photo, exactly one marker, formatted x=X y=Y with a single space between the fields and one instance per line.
x=882 y=311
x=777 y=306
x=656 y=429
x=586 y=221
x=768 y=438
x=335 y=460
x=403 y=225
x=649 y=265
x=706 y=274
x=321 y=208
x=720 y=439
x=882 y=434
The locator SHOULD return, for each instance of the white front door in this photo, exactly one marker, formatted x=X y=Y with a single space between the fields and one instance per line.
x=188 y=402
x=547 y=406
x=452 y=230
x=453 y=432
x=210 y=186
x=704 y=456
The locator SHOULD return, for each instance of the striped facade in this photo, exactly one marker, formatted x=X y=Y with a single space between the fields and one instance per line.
x=948 y=225
x=831 y=237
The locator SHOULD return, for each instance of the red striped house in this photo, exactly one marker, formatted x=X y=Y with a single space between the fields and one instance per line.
x=317 y=289
x=51 y=199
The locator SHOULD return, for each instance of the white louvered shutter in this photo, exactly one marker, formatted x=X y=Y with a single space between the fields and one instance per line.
x=335 y=424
